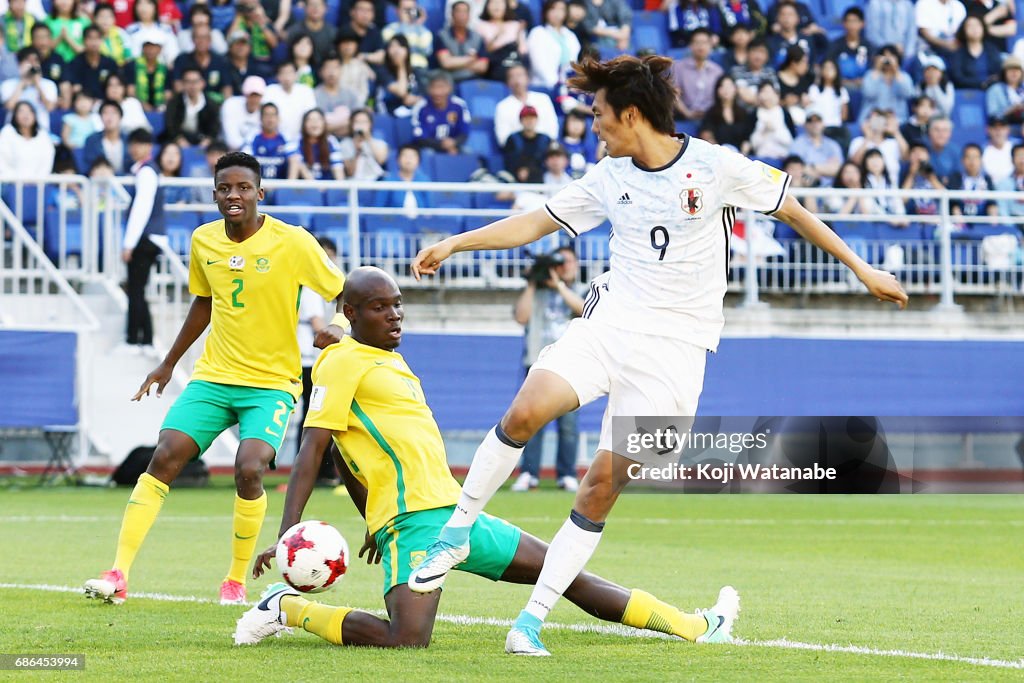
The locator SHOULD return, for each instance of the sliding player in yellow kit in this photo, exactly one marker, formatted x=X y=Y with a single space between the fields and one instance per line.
x=366 y=397
x=245 y=271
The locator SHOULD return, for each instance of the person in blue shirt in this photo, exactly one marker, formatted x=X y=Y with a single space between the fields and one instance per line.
x=408 y=171
x=268 y=146
x=441 y=121
x=851 y=52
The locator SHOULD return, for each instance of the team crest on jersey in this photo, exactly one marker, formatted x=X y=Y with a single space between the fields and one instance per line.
x=692 y=201
x=416 y=558
x=453 y=118
x=236 y=262
x=262 y=264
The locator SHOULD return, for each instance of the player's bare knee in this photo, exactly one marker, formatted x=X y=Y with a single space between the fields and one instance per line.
x=248 y=471
x=521 y=421
x=412 y=640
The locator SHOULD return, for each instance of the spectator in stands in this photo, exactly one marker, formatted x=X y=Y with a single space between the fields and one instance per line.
x=441 y=120
x=575 y=15
x=363 y=154
x=30 y=86
x=797 y=170
x=685 y=16
x=293 y=99
x=876 y=177
x=149 y=78
x=997 y=159
x=944 y=156
x=315 y=155
x=409 y=201
x=169 y=13
x=52 y=65
x=300 y=53
x=335 y=101
x=252 y=19
x=111 y=143
x=212 y=67
x=745 y=14
x=1006 y=98
x=738 y=41
x=795 y=81
x=169 y=162
x=116 y=44
x=851 y=52
x=371 y=44
x=398 y=83
x=268 y=146
x=552 y=47
x=556 y=166
x=504 y=38
x=545 y=310
x=192 y=118
x=935 y=85
x=789 y=34
x=773 y=126
x=609 y=23
x=937 y=24
x=807 y=23
x=972 y=178
x=881 y=131
x=17 y=26
x=146 y=22
x=915 y=129
x=240 y=63
x=240 y=115
x=313 y=25
x=849 y=177
x=460 y=49
x=411 y=19
x=580 y=147
x=199 y=16
x=821 y=156
x=524 y=150
x=26 y=150
x=67 y=26
x=79 y=123
x=355 y=76
x=1000 y=20
x=975 y=63
x=728 y=120
x=921 y=175
x=749 y=78
x=133 y=116
x=506 y=114
x=695 y=78
x=279 y=13
x=887 y=86
x=1013 y=183
x=142 y=234
x=90 y=68
x=831 y=100
x=523 y=14
x=892 y=22
x=67 y=197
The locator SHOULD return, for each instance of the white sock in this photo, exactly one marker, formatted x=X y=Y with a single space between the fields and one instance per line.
x=495 y=458
x=568 y=554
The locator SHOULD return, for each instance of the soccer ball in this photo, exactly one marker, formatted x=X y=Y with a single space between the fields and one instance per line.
x=312 y=556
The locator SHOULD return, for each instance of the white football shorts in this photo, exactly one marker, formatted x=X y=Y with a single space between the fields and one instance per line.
x=642 y=374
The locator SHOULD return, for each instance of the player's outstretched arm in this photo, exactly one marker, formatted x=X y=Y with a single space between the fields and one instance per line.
x=881 y=284
x=196 y=322
x=513 y=231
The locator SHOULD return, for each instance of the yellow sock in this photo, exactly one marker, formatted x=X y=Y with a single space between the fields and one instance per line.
x=249 y=516
x=143 y=507
x=320 y=620
x=646 y=611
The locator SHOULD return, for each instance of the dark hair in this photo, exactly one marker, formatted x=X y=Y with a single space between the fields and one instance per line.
x=871 y=153
x=404 y=42
x=412 y=147
x=35 y=118
x=74 y=9
x=837 y=84
x=295 y=41
x=891 y=49
x=700 y=30
x=102 y=7
x=156 y=9
x=268 y=105
x=140 y=136
x=176 y=172
x=838 y=182
x=792 y=159
x=918 y=100
x=113 y=75
x=510 y=14
x=362 y=110
x=99 y=163
x=631 y=82
x=92 y=28
x=40 y=26
x=970 y=145
x=192 y=69
x=787 y=3
x=758 y=43
x=1016 y=148
x=573 y=115
x=216 y=147
x=26 y=52
x=327 y=243
x=856 y=11
x=961 y=32
x=285 y=63
x=111 y=103
x=917 y=145
x=715 y=115
x=65 y=164
x=546 y=7
x=794 y=53
x=322 y=142
x=238 y=159
x=199 y=8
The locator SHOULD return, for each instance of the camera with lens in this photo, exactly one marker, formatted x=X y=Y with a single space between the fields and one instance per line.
x=925 y=168
x=540 y=272
x=34 y=70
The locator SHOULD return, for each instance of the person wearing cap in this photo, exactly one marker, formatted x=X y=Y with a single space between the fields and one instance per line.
x=199 y=15
x=240 y=115
x=524 y=150
x=241 y=65
x=1005 y=99
x=997 y=159
x=214 y=68
x=822 y=156
x=887 y=86
x=149 y=79
x=935 y=85
x=252 y=19
x=507 y=118
x=441 y=121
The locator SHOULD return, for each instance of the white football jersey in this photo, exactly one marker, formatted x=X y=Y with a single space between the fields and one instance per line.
x=670 y=235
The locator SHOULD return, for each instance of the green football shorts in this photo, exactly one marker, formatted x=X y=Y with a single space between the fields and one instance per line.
x=205 y=409
x=404 y=540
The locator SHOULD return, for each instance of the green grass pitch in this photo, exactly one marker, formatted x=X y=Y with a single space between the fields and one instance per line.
x=904 y=574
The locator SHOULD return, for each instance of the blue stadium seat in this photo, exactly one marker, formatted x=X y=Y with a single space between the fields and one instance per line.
x=487 y=200
x=288 y=197
x=482 y=96
x=30 y=202
x=57 y=121
x=856 y=98
x=483 y=143
x=156 y=120
x=387 y=242
x=969 y=111
x=453 y=168
x=688 y=127
x=79 y=156
x=648 y=36
x=403 y=131
x=51 y=233
x=865 y=231
x=193 y=158
x=323 y=223
x=452 y=224
x=333 y=12
x=893 y=233
x=384 y=128
x=453 y=199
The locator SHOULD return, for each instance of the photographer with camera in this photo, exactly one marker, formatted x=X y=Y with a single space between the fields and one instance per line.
x=887 y=86
x=364 y=155
x=31 y=87
x=411 y=23
x=552 y=297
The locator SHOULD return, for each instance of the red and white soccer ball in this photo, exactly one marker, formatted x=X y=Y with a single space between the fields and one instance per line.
x=312 y=556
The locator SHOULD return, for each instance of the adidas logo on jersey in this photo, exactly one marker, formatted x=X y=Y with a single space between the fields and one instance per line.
x=625 y=200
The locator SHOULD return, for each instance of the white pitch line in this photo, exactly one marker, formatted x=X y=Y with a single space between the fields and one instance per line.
x=607 y=629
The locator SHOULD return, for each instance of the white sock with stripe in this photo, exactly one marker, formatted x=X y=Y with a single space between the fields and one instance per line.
x=569 y=552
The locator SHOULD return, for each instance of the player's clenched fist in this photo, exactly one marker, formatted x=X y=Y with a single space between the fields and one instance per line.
x=885 y=287
x=429 y=259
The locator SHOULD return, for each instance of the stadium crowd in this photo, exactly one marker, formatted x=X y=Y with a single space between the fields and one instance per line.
x=878 y=94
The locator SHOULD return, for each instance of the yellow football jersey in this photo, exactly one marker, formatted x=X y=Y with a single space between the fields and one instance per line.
x=255 y=288
x=374 y=405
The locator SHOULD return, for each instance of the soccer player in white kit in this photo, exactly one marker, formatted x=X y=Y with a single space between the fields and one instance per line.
x=648 y=322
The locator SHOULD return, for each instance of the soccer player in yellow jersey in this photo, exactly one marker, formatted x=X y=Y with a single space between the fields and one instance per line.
x=245 y=271
x=395 y=468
